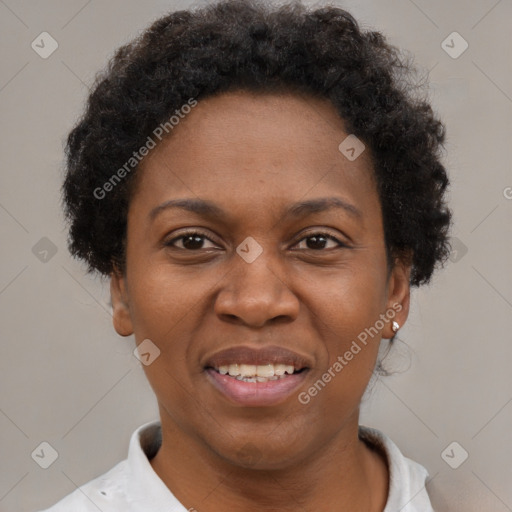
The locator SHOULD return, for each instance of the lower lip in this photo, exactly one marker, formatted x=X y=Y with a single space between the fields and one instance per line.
x=256 y=394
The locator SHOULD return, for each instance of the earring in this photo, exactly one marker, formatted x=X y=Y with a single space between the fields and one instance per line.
x=395 y=326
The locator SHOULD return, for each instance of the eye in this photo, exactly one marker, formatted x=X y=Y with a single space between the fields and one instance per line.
x=190 y=240
x=195 y=240
x=318 y=241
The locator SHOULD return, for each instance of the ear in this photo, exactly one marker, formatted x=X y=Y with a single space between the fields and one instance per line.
x=120 y=303
x=399 y=296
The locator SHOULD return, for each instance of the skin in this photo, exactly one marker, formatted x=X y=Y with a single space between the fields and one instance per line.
x=254 y=156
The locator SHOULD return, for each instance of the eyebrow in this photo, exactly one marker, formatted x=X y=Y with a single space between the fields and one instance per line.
x=207 y=208
x=202 y=207
x=321 y=204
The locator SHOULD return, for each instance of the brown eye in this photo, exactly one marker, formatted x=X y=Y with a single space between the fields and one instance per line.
x=191 y=241
x=319 y=241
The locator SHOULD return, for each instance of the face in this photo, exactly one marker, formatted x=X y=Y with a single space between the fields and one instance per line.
x=254 y=246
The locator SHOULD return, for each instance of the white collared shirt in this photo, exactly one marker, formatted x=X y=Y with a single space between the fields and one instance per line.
x=133 y=486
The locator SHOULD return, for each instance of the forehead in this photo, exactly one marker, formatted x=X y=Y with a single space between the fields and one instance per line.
x=241 y=146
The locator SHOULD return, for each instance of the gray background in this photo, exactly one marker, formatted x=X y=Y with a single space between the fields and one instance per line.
x=69 y=380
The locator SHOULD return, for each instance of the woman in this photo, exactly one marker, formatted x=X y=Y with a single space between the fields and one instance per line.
x=263 y=189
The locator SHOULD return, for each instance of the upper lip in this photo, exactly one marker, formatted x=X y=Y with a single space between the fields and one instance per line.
x=260 y=356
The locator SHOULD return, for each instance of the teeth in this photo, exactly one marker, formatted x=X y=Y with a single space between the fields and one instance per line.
x=263 y=372
x=247 y=370
x=279 y=369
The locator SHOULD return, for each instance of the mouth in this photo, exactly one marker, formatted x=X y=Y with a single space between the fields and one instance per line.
x=257 y=373
x=253 y=378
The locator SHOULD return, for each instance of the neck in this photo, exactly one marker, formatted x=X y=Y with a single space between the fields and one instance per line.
x=345 y=474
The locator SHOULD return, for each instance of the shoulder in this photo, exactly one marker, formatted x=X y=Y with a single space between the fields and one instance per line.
x=103 y=493
x=407 y=478
x=127 y=485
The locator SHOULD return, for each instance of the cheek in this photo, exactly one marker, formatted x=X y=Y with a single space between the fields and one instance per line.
x=345 y=308
x=162 y=301
x=166 y=311
x=168 y=307
x=347 y=300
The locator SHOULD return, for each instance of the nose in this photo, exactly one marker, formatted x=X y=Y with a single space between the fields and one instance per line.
x=254 y=294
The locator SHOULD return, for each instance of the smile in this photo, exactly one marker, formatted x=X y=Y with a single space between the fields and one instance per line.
x=256 y=377
x=257 y=373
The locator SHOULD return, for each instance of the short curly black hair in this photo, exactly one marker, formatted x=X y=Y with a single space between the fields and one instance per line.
x=257 y=47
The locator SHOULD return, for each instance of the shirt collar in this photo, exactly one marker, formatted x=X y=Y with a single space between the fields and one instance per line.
x=407 y=478
x=148 y=492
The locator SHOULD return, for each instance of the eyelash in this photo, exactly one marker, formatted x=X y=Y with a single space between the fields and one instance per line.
x=170 y=243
